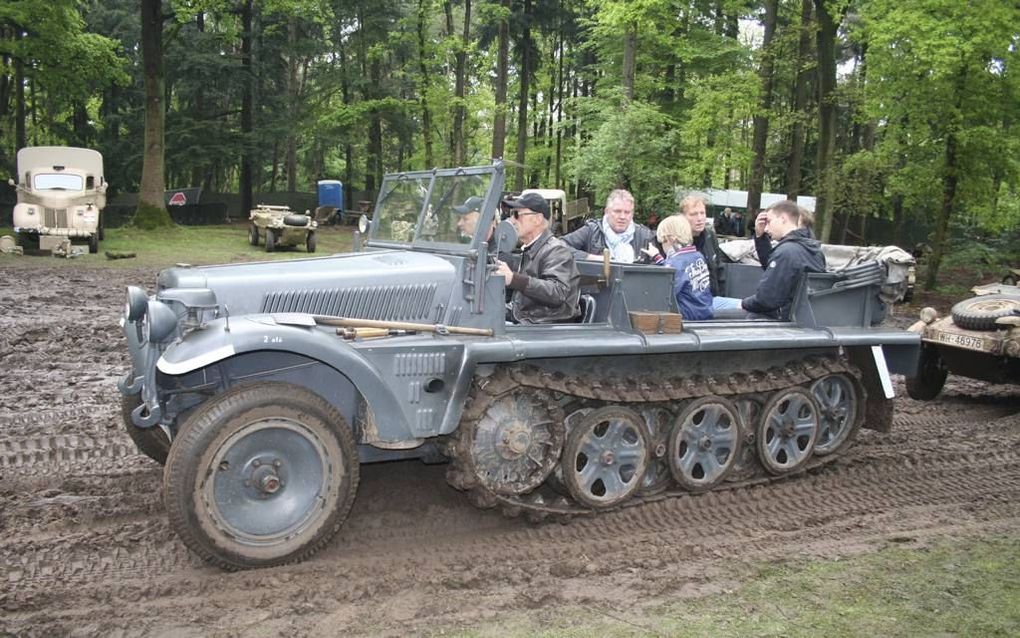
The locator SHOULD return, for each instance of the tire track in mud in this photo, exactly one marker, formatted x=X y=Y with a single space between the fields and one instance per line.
x=62 y=454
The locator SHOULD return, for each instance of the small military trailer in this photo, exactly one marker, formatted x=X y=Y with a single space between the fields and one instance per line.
x=279 y=226
x=263 y=387
x=979 y=338
x=61 y=195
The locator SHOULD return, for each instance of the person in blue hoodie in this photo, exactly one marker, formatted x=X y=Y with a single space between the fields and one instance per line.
x=796 y=253
x=692 y=284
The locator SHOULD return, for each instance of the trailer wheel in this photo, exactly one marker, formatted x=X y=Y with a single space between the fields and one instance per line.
x=253 y=235
x=931 y=376
x=262 y=475
x=151 y=442
x=94 y=243
x=270 y=240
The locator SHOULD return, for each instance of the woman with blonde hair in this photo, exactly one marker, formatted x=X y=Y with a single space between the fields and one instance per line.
x=692 y=284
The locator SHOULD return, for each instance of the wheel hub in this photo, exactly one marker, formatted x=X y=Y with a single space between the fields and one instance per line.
x=608 y=458
x=515 y=441
x=266 y=480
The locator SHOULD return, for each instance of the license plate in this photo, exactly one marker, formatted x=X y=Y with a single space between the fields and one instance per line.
x=963 y=341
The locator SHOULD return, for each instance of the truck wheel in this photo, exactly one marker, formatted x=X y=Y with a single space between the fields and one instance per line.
x=151 y=442
x=270 y=240
x=931 y=376
x=253 y=235
x=310 y=242
x=94 y=243
x=980 y=313
x=262 y=475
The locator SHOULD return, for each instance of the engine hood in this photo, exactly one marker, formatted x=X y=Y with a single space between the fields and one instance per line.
x=389 y=285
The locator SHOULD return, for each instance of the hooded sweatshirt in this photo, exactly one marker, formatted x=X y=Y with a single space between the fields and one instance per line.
x=795 y=254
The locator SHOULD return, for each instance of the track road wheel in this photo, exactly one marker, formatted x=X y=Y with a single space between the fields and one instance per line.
x=151 y=442
x=748 y=408
x=838 y=397
x=261 y=475
x=310 y=242
x=270 y=240
x=605 y=457
x=253 y=235
x=787 y=431
x=657 y=474
x=704 y=444
x=515 y=444
x=931 y=376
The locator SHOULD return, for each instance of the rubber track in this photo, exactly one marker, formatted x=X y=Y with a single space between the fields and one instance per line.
x=614 y=390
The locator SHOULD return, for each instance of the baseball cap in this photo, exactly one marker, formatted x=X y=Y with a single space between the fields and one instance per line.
x=534 y=201
x=470 y=204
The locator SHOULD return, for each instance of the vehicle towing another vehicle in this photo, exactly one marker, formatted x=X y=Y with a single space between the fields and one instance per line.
x=264 y=387
x=61 y=195
x=979 y=338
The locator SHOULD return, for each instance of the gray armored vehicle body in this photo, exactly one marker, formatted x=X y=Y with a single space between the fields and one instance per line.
x=263 y=387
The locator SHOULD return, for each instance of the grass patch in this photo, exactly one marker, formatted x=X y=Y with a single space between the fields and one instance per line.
x=197 y=245
x=956 y=588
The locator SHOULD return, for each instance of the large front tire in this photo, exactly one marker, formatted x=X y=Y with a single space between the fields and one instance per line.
x=262 y=475
x=930 y=378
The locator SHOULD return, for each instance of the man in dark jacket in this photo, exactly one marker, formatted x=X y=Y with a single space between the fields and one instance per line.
x=693 y=207
x=796 y=253
x=546 y=285
x=627 y=241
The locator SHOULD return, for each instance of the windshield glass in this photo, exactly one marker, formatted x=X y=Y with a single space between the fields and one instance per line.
x=443 y=210
x=454 y=209
x=57 y=182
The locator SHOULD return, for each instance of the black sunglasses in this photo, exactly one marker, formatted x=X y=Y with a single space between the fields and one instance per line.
x=516 y=212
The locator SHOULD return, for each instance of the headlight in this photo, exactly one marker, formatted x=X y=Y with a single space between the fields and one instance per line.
x=929 y=314
x=160 y=323
x=137 y=302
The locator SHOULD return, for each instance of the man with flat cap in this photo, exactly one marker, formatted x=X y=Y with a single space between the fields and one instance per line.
x=546 y=286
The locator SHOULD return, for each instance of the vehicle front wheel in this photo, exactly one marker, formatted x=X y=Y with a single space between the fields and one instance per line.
x=931 y=376
x=262 y=475
x=270 y=240
x=310 y=242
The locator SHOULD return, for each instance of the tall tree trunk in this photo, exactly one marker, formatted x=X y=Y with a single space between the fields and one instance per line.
x=151 y=189
x=375 y=149
x=247 y=111
x=20 y=140
x=794 y=168
x=292 y=104
x=950 y=179
x=525 y=93
x=502 y=65
x=200 y=169
x=559 y=104
x=459 y=142
x=426 y=114
x=826 y=37
x=629 y=59
x=759 y=140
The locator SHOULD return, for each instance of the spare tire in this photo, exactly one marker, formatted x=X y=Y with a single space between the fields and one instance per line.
x=295 y=220
x=980 y=313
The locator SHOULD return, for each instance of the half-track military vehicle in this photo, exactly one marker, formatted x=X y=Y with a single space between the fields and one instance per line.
x=979 y=338
x=61 y=195
x=263 y=387
x=279 y=226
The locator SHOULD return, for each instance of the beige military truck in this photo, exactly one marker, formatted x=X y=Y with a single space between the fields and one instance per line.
x=61 y=195
x=280 y=226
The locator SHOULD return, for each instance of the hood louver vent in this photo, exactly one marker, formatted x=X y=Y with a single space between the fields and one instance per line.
x=392 y=303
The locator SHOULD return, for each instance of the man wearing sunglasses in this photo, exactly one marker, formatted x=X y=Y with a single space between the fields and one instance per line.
x=546 y=286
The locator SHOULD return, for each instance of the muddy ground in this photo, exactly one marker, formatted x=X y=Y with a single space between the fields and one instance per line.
x=85 y=548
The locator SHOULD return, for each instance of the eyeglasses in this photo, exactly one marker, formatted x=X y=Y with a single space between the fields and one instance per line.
x=517 y=213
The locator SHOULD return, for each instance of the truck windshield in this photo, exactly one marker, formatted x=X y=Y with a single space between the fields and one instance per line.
x=57 y=182
x=447 y=215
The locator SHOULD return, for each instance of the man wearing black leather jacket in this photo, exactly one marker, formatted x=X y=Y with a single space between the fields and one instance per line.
x=796 y=253
x=546 y=286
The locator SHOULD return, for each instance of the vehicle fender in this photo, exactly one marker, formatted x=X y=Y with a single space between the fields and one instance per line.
x=223 y=339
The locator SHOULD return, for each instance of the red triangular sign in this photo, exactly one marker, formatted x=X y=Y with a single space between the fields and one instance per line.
x=177 y=199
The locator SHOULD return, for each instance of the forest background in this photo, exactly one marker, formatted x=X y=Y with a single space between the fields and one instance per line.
x=903 y=112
